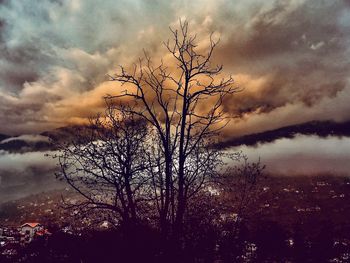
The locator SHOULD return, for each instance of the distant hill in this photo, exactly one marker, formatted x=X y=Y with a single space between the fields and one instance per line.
x=3 y=136
x=44 y=206
x=25 y=143
x=318 y=128
x=39 y=142
x=65 y=133
x=24 y=146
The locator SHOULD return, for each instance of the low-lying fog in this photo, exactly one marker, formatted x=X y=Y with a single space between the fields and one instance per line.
x=303 y=155
x=22 y=174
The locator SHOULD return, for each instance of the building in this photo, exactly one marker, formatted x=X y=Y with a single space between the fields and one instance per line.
x=28 y=231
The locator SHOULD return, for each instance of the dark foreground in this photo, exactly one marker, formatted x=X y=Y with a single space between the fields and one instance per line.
x=295 y=219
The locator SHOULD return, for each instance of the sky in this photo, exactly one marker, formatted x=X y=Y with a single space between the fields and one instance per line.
x=290 y=57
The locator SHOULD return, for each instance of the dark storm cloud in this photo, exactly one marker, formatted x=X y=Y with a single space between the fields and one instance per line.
x=54 y=55
x=52 y=52
x=299 y=51
x=20 y=65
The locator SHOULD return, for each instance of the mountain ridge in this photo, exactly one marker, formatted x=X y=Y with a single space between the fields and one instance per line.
x=318 y=128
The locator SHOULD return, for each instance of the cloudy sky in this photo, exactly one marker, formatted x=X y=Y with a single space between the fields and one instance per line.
x=291 y=57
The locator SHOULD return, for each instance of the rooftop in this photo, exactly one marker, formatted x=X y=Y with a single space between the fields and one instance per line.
x=32 y=225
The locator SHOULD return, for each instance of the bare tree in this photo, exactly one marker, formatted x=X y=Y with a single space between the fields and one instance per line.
x=106 y=165
x=184 y=109
x=151 y=155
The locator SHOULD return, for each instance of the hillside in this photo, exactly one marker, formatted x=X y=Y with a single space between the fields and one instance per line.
x=317 y=128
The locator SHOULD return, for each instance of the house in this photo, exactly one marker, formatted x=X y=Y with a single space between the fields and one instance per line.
x=28 y=231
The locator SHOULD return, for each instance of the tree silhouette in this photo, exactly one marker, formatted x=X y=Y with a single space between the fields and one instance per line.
x=153 y=153
x=106 y=165
x=184 y=108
